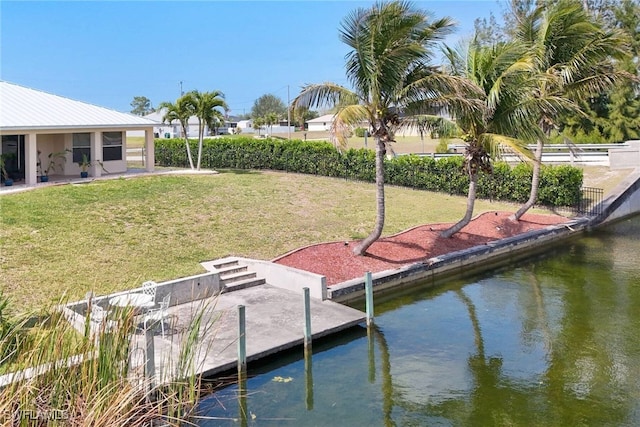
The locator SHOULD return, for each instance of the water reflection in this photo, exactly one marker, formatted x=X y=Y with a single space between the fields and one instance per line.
x=552 y=341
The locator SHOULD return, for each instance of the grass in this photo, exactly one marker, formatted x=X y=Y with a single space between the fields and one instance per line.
x=111 y=235
x=135 y=141
x=603 y=177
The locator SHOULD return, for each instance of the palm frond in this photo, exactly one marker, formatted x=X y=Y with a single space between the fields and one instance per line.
x=347 y=118
x=324 y=95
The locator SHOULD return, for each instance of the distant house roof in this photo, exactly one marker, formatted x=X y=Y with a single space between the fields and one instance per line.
x=322 y=119
x=159 y=114
x=22 y=108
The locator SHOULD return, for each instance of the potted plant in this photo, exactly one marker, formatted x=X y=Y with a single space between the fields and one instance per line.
x=3 y=170
x=54 y=161
x=85 y=164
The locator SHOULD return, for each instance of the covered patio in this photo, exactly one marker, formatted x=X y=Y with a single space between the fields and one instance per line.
x=49 y=135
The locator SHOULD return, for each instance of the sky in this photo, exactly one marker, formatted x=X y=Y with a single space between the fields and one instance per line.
x=107 y=52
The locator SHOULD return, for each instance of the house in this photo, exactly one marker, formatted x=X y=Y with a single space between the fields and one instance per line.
x=322 y=123
x=34 y=124
x=325 y=122
x=245 y=126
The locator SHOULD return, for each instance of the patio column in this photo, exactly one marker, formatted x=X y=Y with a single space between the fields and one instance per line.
x=30 y=159
x=149 y=150
x=96 y=154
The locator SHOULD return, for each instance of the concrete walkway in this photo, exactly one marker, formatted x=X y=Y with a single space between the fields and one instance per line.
x=274 y=322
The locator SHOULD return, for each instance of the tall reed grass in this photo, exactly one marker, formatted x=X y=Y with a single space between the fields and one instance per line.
x=90 y=378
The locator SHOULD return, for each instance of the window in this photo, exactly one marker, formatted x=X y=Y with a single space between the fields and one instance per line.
x=111 y=146
x=81 y=146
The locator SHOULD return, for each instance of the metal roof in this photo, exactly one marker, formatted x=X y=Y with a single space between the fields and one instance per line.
x=323 y=119
x=22 y=108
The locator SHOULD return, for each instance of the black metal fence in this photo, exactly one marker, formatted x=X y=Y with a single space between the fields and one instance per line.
x=590 y=202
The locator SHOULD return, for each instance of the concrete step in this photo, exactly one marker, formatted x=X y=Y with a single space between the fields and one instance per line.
x=224 y=263
x=231 y=269
x=235 y=277
x=245 y=283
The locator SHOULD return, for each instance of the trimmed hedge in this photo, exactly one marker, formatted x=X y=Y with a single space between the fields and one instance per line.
x=559 y=185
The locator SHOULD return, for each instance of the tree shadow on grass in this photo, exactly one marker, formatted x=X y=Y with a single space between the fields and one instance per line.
x=240 y=171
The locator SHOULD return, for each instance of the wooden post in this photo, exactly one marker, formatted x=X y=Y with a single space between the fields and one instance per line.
x=307 y=320
x=242 y=345
x=368 y=289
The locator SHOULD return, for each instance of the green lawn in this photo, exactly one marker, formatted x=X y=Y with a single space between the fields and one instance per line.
x=112 y=235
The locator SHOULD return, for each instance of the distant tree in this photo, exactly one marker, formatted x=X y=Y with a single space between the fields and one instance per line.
x=614 y=116
x=301 y=115
x=268 y=104
x=488 y=32
x=141 y=105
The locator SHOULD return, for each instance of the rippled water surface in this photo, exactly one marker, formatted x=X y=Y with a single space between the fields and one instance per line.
x=554 y=341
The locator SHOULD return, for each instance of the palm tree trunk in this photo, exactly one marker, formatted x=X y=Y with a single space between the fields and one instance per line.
x=535 y=183
x=200 y=138
x=377 y=231
x=471 y=199
x=186 y=142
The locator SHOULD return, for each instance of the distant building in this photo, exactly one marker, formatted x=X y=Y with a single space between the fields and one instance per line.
x=174 y=129
x=321 y=124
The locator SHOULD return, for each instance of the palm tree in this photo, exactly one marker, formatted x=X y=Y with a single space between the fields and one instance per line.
x=180 y=111
x=388 y=68
x=258 y=122
x=206 y=106
x=271 y=119
x=501 y=74
x=572 y=53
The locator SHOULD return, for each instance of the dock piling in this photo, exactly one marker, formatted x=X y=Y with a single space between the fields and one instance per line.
x=368 y=289
x=242 y=344
x=307 y=319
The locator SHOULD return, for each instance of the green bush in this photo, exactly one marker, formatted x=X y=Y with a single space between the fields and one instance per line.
x=559 y=185
x=442 y=147
x=359 y=132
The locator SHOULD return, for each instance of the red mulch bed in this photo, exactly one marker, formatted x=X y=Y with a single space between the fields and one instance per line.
x=336 y=261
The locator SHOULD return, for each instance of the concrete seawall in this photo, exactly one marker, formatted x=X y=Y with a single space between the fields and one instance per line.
x=623 y=201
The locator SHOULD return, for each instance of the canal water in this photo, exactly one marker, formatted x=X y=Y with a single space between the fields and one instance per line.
x=552 y=341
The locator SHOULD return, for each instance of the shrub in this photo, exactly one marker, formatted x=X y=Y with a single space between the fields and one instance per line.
x=442 y=147
x=359 y=132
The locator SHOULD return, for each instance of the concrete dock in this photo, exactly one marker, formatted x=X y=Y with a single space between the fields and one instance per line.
x=274 y=322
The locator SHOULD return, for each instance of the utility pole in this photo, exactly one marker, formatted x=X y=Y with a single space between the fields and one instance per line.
x=288 y=114
x=181 y=91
